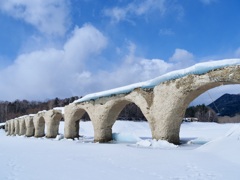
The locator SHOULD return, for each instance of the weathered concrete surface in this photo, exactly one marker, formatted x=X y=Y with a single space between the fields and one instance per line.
x=16 y=126
x=6 y=126
x=163 y=106
x=12 y=127
x=49 y=120
x=22 y=126
x=103 y=113
x=39 y=124
x=173 y=97
x=9 y=127
x=52 y=119
x=29 y=125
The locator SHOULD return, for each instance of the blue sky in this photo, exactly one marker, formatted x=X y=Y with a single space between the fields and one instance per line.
x=61 y=48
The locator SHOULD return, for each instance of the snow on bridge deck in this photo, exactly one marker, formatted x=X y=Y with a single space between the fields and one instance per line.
x=197 y=69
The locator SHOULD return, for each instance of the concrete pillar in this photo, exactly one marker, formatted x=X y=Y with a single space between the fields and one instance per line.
x=12 y=127
x=103 y=135
x=29 y=125
x=103 y=121
x=72 y=116
x=52 y=118
x=16 y=124
x=22 y=126
x=9 y=128
x=39 y=124
x=6 y=126
x=169 y=106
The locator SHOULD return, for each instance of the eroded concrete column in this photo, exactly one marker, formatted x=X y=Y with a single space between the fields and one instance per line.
x=168 y=109
x=72 y=115
x=16 y=124
x=6 y=126
x=39 y=124
x=103 y=134
x=22 y=126
x=12 y=127
x=9 y=127
x=52 y=118
x=30 y=130
x=102 y=124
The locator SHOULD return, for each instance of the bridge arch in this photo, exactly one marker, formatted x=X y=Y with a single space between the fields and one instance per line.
x=72 y=117
x=108 y=109
x=183 y=91
x=118 y=105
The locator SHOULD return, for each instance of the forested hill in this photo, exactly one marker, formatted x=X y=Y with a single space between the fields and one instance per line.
x=10 y=110
x=227 y=105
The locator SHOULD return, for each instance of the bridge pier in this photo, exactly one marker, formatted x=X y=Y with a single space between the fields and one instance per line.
x=72 y=115
x=16 y=126
x=6 y=126
x=12 y=127
x=9 y=128
x=29 y=125
x=39 y=124
x=168 y=109
x=103 y=134
x=52 y=118
x=22 y=126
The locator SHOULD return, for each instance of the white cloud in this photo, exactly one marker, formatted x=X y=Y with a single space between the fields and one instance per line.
x=66 y=71
x=52 y=72
x=182 y=58
x=132 y=69
x=135 y=8
x=181 y=55
x=49 y=17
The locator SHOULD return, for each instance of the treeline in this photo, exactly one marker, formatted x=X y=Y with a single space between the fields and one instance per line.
x=202 y=112
x=130 y=112
x=133 y=113
x=10 y=110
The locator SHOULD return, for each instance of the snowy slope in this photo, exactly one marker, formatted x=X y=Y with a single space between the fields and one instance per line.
x=39 y=158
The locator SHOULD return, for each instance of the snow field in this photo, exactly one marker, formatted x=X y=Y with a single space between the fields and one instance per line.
x=40 y=158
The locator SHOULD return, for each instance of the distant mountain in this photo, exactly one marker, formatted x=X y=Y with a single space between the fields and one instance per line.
x=227 y=105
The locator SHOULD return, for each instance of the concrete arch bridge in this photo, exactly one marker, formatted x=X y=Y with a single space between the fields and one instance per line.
x=163 y=101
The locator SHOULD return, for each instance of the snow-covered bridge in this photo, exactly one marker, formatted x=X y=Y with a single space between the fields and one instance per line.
x=162 y=100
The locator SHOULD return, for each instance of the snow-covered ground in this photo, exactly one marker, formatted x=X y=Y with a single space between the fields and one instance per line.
x=209 y=151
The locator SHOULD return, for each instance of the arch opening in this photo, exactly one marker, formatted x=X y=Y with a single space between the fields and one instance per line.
x=81 y=125
x=208 y=108
x=128 y=123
